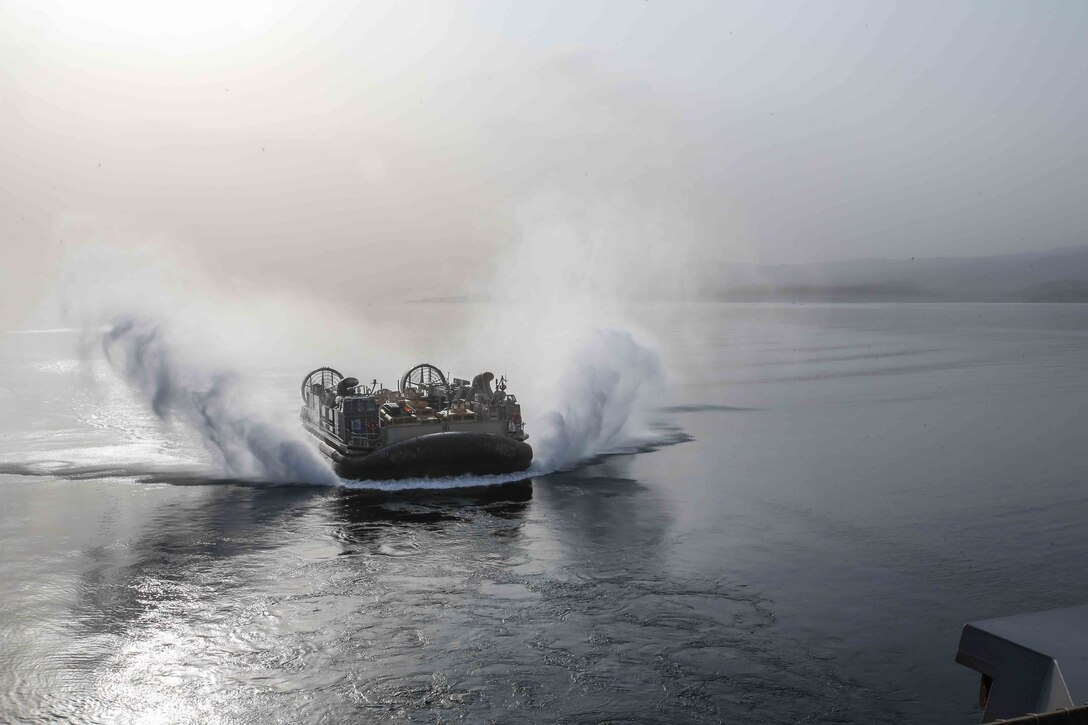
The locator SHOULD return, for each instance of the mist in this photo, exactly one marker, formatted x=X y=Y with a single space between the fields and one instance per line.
x=197 y=352
x=758 y=275
x=277 y=181
x=385 y=153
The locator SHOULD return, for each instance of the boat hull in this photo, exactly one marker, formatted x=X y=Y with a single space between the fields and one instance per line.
x=454 y=453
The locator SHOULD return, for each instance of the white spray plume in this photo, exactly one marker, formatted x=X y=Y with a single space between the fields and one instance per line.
x=183 y=347
x=599 y=403
x=211 y=402
x=561 y=324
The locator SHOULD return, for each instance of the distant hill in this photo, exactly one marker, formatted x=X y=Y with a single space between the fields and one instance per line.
x=1060 y=275
x=1065 y=290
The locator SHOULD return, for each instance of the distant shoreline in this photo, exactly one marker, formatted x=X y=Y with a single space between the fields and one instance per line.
x=782 y=299
x=1059 y=276
x=1058 y=292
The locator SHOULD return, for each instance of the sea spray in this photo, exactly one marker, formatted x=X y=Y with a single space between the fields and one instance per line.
x=598 y=405
x=563 y=321
x=594 y=406
x=210 y=400
x=584 y=374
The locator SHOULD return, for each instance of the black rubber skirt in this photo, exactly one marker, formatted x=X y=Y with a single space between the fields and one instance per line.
x=436 y=455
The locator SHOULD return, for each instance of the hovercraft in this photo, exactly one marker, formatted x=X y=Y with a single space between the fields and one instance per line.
x=430 y=426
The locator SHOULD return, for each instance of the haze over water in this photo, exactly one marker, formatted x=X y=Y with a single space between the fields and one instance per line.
x=860 y=480
x=736 y=512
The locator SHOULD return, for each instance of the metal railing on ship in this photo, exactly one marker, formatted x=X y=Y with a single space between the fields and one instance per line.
x=1072 y=716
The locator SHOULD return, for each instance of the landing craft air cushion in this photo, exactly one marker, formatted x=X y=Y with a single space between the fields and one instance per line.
x=429 y=426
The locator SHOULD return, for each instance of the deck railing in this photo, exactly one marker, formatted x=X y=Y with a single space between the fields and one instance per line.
x=1072 y=716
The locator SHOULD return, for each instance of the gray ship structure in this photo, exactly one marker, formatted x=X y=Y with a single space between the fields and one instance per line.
x=430 y=426
x=1034 y=666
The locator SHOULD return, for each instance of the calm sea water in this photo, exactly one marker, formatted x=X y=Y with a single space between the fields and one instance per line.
x=861 y=481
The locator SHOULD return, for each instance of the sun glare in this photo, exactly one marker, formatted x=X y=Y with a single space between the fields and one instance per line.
x=174 y=28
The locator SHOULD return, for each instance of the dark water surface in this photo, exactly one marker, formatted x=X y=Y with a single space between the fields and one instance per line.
x=862 y=481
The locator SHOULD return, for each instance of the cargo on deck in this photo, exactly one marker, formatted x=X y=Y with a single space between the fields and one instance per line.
x=429 y=426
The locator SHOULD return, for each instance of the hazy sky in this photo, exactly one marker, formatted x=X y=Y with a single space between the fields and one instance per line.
x=409 y=145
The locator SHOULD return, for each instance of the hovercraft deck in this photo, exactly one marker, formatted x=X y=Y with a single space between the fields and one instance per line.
x=428 y=427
